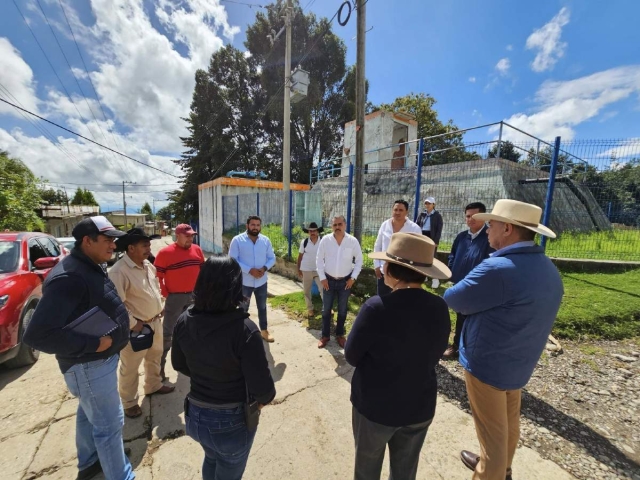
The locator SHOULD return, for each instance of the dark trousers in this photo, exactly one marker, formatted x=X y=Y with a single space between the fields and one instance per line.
x=337 y=290
x=371 y=440
x=383 y=289
x=261 y=302
x=427 y=233
x=460 y=318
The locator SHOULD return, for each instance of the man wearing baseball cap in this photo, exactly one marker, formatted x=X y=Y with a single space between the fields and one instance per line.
x=431 y=223
x=511 y=300
x=76 y=285
x=177 y=267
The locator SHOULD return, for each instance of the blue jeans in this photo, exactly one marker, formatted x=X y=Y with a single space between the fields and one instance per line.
x=336 y=291
x=223 y=436
x=100 y=417
x=261 y=302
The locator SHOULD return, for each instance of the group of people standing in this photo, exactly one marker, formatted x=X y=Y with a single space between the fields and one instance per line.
x=506 y=294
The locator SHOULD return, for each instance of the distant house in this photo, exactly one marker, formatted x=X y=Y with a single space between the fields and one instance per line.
x=117 y=218
x=60 y=219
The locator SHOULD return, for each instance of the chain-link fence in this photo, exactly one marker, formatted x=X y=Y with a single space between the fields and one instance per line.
x=590 y=194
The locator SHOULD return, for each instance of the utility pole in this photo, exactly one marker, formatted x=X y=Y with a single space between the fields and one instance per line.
x=360 y=100
x=154 y=215
x=124 y=203
x=286 y=144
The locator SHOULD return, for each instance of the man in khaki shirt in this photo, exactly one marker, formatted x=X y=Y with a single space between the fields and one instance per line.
x=138 y=287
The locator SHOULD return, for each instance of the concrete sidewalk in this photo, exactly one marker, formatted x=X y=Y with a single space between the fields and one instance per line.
x=304 y=434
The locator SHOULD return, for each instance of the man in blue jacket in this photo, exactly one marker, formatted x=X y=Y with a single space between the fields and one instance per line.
x=469 y=249
x=511 y=301
x=254 y=253
x=75 y=286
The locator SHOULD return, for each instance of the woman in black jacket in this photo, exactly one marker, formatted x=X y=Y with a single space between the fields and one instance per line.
x=220 y=348
x=395 y=343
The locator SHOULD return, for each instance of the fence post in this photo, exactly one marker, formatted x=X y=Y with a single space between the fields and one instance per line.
x=349 y=192
x=237 y=214
x=257 y=204
x=538 y=154
x=500 y=141
x=418 y=179
x=290 y=221
x=546 y=218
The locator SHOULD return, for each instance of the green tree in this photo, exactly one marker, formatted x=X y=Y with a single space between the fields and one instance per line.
x=52 y=196
x=508 y=151
x=448 y=148
x=164 y=214
x=83 y=197
x=146 y=209
x=19 y=196
x=317 y=122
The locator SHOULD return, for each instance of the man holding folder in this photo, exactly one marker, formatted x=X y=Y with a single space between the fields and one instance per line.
x=86 y=353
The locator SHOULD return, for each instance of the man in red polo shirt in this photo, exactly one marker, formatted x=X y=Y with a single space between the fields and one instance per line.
x=177 y=268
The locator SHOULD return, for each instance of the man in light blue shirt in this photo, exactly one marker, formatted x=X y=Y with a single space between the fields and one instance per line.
x=254 y=253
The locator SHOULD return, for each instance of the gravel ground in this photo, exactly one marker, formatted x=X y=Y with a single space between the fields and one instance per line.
x=581 y=408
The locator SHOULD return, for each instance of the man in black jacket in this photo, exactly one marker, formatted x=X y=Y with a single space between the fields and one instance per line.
x=75 y=286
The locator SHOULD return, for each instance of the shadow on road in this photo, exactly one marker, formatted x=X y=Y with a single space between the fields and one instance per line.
x=9 y=375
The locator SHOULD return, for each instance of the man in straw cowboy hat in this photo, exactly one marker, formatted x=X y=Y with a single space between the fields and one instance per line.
x=511 y=300
x=307 y=269
x=395 y=344
x=138 y=287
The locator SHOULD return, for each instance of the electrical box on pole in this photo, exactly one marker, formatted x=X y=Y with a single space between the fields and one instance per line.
x=299 y=85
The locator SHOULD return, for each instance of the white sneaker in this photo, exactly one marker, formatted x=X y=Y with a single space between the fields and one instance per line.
x=435 y=283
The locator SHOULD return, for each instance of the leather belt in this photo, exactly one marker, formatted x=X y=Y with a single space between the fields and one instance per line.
x=180 y=293
x=337 y=278
x=151 y=319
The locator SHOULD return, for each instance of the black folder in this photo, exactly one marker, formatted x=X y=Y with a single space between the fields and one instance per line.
x=94 y=323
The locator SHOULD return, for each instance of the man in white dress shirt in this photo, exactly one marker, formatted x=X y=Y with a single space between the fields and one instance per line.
x=397 y=223
x=339 y=262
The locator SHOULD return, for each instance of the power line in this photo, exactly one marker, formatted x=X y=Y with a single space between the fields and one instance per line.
x=42 y=129
x=79 y=87
x=87 y=139
x=104 y=116
x=115 y=184
x=250 y=5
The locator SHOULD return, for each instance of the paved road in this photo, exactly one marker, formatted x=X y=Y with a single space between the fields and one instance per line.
x=304 y=434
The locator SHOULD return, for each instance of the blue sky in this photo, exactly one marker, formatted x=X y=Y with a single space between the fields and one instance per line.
x=569 y=68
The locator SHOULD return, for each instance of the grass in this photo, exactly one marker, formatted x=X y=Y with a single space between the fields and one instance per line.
x=616 y=244
x=592 y=350
x=595 y=306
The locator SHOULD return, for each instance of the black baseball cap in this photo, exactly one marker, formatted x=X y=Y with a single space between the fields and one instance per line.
x=93 y=225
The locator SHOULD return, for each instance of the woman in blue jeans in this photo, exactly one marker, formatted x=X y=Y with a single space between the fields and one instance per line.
x=220 y=348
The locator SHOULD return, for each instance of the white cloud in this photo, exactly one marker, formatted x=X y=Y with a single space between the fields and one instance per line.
x=17 y=77
x=562 y=105
x=626 y=150
x=143 y=78
x=472 y=79
x=509 y=48
x=503 y=66
x=546 y=40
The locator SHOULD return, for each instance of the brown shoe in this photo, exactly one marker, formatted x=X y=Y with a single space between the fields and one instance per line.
x=323 y=342
x=341 y=341
x=450 y=353
x=163 y=390
x=266 y=336
x=133 y=412
x=469 y=459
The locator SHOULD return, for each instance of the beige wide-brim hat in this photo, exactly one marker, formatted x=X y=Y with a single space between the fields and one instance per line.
x=416 y=252
x=517 y=213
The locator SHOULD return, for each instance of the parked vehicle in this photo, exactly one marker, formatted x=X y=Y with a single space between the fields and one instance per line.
x=25 y=261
